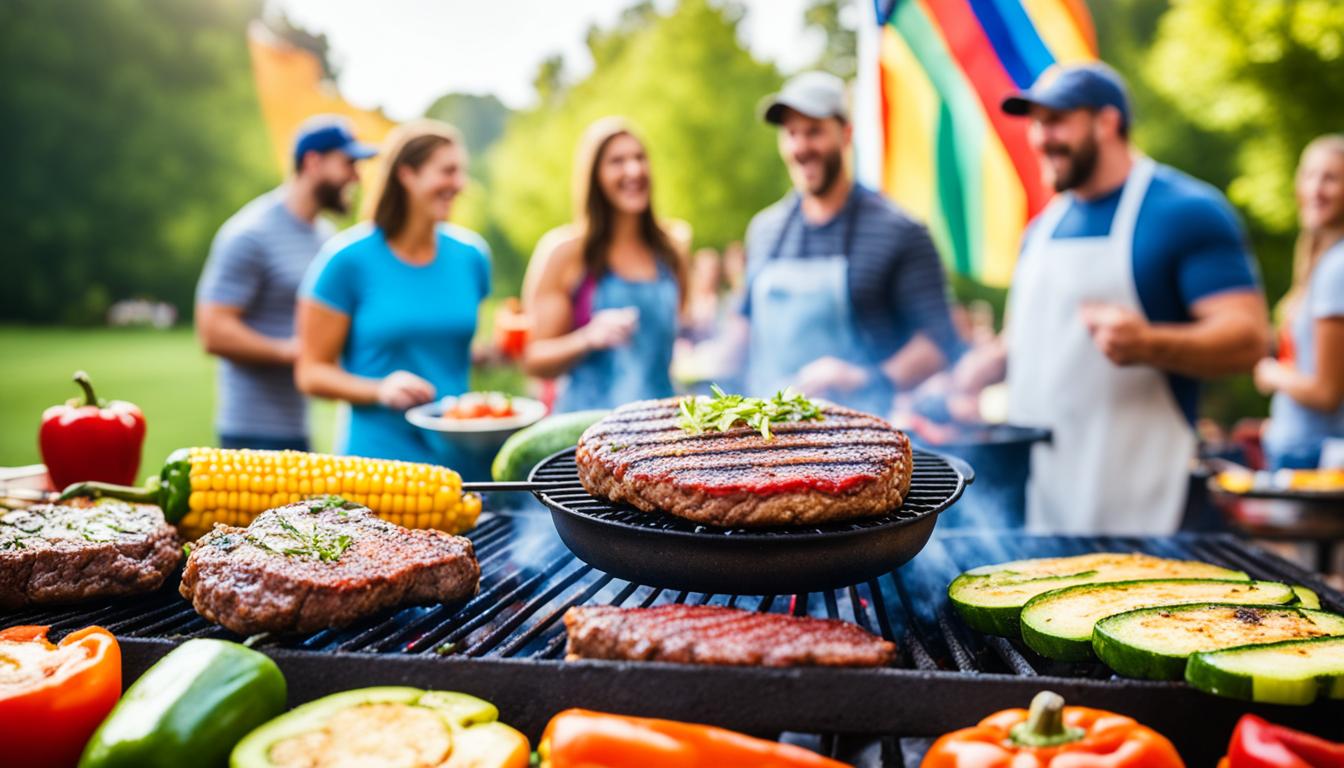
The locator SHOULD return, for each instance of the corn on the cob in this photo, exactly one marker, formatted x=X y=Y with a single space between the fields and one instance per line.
x=234 y=486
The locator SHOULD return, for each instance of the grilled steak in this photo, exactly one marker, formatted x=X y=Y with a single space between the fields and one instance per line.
x=705 y=634
x=847 y=465
x=81 y=549
x=321 y=563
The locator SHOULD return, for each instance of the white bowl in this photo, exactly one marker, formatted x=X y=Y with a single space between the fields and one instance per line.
x=477 y=435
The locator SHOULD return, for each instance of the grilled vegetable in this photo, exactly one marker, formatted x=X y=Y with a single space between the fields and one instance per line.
x=52 y=697
x=1259 y=744
x=990 y=598
x=1291 y=672
x=527 y=447
x=386 y=726
x=1306 y=597
x=1053 y=734
x=1059 y=624
x=199 y=487
x=578 y=738
x=190 y=708
x=1155 y=643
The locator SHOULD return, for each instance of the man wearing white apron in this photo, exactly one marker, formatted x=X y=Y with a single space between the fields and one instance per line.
x=846 y=297
x=1131 y=285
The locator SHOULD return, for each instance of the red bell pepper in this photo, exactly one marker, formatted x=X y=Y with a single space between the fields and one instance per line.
x=1260 y=744
x=52 y=697
x=93 y=440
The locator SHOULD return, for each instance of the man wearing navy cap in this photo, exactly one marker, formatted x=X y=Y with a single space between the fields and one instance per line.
x=1131 y=286
x=246 y=296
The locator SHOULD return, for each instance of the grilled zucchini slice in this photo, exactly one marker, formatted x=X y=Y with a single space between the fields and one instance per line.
x=1291 y=672
x=1154 y=643
x=1307 y=597
x=1059 y=624
x=990 y=598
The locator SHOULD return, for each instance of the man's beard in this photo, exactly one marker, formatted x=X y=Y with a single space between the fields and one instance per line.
x=1082 y=163
x=330 y=197
x=832 y=166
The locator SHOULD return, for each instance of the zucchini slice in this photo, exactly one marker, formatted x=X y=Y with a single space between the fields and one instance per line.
x=1155 y=643
x=1291 y=672
x=1307 y=597
x=1059 y=624
x=990 y=597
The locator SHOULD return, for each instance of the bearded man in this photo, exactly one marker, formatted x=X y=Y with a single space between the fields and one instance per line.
x=1131 y=286
x=845 y=294
x=246 y=295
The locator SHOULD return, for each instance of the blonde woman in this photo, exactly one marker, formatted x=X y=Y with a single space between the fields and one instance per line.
x=605 y=292
x=1308 y=404
x=388 y=309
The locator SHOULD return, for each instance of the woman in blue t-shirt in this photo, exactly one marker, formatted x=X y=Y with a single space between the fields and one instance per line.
x=1308 y=404
x=388 y=309
x=605 y=293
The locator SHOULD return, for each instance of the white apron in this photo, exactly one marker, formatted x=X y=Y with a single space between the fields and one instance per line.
x=1119 y=460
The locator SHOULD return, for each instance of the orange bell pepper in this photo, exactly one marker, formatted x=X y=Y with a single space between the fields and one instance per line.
x=578 y=738
x=1053 y=734
x=52 y=697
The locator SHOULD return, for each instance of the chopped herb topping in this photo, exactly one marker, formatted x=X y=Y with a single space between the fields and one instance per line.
x=317 y=542
x=722 y=412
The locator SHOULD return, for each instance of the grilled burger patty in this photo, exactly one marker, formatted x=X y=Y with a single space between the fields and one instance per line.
x=847 y=465
x=317 y=564
x=705 y=634
x=81 y=549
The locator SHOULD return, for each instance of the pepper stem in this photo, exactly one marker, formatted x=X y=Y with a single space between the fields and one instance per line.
x=94 y=490
x=82 y=379
x=1045 y=723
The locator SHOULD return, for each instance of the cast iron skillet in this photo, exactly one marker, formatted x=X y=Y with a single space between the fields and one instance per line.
x=666 y=551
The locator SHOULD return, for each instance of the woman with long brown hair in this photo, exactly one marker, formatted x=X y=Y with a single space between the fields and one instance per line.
x=388 y=309
x=605 y=293
x=1308 y=404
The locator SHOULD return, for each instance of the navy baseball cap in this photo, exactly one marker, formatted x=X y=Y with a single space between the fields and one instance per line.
x=1082 y=86
x=325 y=133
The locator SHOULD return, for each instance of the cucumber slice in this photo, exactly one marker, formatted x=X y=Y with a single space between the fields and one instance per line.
x=1307 y=597
x=990 y=598
x=527 y=447
x=1154 y=643
x=1291 y=672
x=1059 y=624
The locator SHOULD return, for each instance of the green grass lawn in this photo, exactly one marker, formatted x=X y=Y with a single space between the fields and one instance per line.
x=163 y=372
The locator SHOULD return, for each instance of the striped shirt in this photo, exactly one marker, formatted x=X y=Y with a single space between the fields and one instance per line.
x=896 y=282
x=255 y=264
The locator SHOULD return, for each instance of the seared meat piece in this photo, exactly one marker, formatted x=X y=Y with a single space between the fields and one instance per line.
x=319 y=563
x=81 y=549
x=848 y=465
x=704 y=634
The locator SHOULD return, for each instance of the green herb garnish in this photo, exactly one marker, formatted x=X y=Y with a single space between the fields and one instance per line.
x=722 y=411
x=317 y=543
x=323 y=503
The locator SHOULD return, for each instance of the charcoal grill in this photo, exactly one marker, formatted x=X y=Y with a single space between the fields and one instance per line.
x=507 y=645
x=675 y=553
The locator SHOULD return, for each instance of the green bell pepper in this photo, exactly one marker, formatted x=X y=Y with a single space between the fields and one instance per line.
x=170 y=490
x=385 y=726
x=190 y=708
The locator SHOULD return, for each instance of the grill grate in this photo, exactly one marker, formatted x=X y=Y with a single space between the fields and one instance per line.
x=507 y=643
x=934 y=484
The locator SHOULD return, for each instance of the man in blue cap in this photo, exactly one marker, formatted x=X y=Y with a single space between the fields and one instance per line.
x=246 y=296
x=1134 y=283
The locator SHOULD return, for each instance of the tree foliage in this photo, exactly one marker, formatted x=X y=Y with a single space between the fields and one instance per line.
x=685 y=80
x=130 y=132
x=480 y=118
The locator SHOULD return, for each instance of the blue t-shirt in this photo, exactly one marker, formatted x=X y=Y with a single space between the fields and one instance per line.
x=1188 y=245
x=1294 y=427
x=256 y=262
x=402 y=317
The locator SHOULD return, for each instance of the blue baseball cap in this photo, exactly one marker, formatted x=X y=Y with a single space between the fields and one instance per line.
x=326 y=133
x=1082 y=86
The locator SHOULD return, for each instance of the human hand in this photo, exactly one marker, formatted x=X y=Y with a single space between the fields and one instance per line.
x=829 y=374
x=1120 y=333
x=400 y=390
x=610 y=328
x=1269 y=375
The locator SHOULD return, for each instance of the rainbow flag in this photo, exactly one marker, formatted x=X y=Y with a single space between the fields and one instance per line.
x=930 y=133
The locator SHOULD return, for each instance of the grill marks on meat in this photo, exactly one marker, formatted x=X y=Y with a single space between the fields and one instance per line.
x=82 y=549
x=243 y=579
x=846 y=466
x=703 y=634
